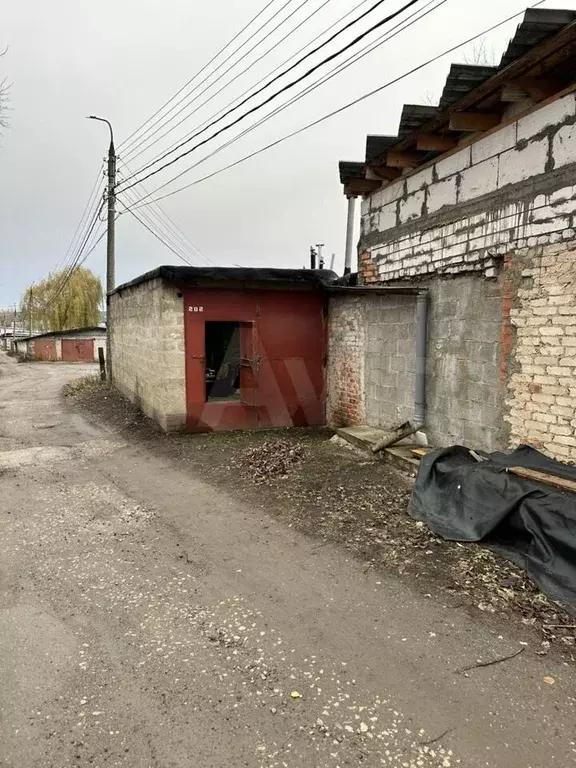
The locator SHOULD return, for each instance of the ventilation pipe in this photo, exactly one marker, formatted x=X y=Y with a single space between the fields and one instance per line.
x=421 y=335
x=349 y=235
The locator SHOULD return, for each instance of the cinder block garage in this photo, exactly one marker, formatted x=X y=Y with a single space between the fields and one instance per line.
x=222 y=348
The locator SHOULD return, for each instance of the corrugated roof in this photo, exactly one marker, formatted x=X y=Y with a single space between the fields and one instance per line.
x=414 y=116
x=376 y=146
x=462 y=79
x=533 y=49
x=537 y=25
x=350 y=170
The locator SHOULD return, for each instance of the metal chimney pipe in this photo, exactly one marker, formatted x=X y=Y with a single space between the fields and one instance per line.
x=312 y=257
x=349 y=235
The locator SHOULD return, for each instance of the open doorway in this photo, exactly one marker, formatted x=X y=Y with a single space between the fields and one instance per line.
x=222 y=353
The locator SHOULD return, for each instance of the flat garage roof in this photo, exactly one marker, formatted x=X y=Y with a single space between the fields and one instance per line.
x=235 y=277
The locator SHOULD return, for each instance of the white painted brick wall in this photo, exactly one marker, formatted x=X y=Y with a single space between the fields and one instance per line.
x=479 y=180
x=441 y=194
x=491 y=164
x=411 y=208
x=520 y=164
x=453 y=163
x=550 y=115
x=564 y=146
x=494 y=144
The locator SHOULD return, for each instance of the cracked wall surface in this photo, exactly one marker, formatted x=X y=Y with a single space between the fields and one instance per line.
x=490 y=230
x=510 y=190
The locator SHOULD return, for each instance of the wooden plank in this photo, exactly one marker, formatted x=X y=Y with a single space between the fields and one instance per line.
x=403 y=159
x=474 y=121
x=427 y=142
x=382 y=172
x=419 y=452
x=538 y=88
x=513 y=93
x=356 y=187
x=543 y=477
x=550 y=53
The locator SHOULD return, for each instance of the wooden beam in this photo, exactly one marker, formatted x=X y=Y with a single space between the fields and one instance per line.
x=474 y=121
x=553 y=51
x=512 y=93
x=356 y=187
x=428 y=142
x=543 y=477
x=538 y=88
x=403 y=159
x=382 y=172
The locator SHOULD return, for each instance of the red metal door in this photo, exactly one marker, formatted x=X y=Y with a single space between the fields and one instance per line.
x=248 y=365
x=44 y=349
x=78 y=350
x=282 y=347
x=292 y=348
x=215 y=305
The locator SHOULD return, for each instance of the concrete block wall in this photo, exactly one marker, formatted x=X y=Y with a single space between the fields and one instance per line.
x=511 y=189
x=465 y=392
x=389 y=359
x=147 y=339
x=542 y=381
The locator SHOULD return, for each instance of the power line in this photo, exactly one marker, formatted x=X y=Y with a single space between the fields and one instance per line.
x=370 y=48
x=75 y=237
x=213 y=83
x=161 y=232
x=287 y=87
x=224 y=48
x=71 y=269
x=213 y=72
x=347 y=106
x=219 y=112
x=173 y=231
x=156 y=235
x=239 y=75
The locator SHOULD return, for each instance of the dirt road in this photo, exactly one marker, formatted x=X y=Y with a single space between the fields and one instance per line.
x=149 y=620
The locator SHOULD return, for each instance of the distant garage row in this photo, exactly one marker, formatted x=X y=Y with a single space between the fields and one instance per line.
x=77 y=345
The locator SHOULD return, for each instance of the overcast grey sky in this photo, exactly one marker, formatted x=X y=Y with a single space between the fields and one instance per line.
x=123 y=60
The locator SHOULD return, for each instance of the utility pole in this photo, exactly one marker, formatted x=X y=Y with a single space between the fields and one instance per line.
x=31 y=300
x=320 y=256
x=111 y=238
x=13 y=345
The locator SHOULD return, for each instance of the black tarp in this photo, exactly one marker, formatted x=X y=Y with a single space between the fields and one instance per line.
x=532 y=524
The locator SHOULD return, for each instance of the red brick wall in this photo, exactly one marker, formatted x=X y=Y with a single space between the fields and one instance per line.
x=366 y=269
x=345 y=375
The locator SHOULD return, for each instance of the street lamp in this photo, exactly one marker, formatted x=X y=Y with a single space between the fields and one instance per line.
x=111 y=234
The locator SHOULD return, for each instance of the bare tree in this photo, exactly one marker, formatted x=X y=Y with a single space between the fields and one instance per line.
x=481 y=54
x=429 y=99
x=4 y=98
